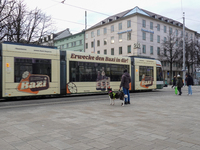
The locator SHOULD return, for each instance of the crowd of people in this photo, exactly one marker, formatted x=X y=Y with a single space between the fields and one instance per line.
x=179 y=83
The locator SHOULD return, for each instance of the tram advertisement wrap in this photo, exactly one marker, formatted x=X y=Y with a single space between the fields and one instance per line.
x=33 y=83
x=146 y=82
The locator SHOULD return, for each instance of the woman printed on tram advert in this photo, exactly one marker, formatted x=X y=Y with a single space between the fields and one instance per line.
x=126 y=79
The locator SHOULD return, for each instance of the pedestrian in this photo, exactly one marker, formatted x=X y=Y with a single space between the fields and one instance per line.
x=174 y=81
x=126 y=79
x=179 y=84
x=190 y=82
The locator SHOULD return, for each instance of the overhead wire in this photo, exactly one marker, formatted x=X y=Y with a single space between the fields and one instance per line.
x=81 y=8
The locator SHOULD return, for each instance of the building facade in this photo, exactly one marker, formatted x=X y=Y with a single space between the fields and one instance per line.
x=135 y=32
x=72 y=42
x=48 y=40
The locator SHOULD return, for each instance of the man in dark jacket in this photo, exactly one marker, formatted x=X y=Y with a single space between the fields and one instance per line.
x=126 y=79
x=174 y=81
x=189 y=84
x=179 y=84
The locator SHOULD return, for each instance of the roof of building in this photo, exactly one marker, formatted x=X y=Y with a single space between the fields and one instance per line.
x=63 y=34
x=137 y=10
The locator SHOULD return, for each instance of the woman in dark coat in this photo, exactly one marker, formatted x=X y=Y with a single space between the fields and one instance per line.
x=179 y=84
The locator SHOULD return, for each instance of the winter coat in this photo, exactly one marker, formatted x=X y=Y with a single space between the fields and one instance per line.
x=126 y=79
x=179 y=82
x=189 y=80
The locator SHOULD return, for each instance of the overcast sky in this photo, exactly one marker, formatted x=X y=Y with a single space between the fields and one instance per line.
x=71 y=13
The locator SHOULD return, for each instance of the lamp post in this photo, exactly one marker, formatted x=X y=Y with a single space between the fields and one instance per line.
x=184 y=47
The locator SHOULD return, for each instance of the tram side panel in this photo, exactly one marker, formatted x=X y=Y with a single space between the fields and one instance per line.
x=145 y=74
x=93 y=73
x=30 y=70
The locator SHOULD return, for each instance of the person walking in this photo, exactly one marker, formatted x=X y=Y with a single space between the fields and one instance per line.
x=179 y=84
x=174 y=82
x=190 y=82
x=126 y=79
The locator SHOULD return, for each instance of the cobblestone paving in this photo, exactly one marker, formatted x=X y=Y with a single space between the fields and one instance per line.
x=157 y=120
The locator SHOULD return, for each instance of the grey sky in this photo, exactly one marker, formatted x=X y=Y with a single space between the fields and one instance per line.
x=71 y=15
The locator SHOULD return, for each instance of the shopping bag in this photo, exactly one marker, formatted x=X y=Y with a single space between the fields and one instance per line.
x=176 y=90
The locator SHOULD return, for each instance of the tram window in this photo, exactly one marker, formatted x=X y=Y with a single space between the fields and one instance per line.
x=145 y=70
x=33 y=66
x=159 y=74
x=90 y=72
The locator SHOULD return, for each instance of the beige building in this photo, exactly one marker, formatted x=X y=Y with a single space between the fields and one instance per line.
x=134 y=32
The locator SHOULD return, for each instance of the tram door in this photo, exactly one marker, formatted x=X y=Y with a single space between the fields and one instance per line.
x=132 y=74
x=62 y=72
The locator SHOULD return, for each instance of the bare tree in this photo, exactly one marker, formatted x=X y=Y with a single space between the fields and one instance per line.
x=170 y=51
x=25 y=26
x=6 y=9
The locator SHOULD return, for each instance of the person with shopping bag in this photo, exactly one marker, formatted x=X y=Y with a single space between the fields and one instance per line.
x=179 y=84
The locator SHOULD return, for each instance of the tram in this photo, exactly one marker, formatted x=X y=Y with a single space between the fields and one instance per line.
x=31 y=70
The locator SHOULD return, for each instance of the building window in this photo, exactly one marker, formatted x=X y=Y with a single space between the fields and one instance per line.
x=105 y=30
x=98 y=42
x=75 y=43
x=112 y=40
x=120 y=50
x=164 y=63
x=165 y=52
x=176 y=32
x=67 y=45
x=72 y=44
x=120 y=26
x=105 y=41
x=174 y=64
x=129 y=48
x=181 y=33
x=170 y=30
x=151 y=37
x=165 y=39
x=86 y=45
x=151 y=25
x=112 y=51
x=151 y=50
x=98 y=52
x=92 y=44
x=158 y=27
x=144 y=49
x=165 y=29
x=144 y=23
x=158 y=50
x=112 y=28
x=144 y=35
x=129 y=36
x=86 y=36
x=128 y=23
x=80 y=42
x=158 y=38
x=92 y=34
x=105 y=51
x=120 y=37
x=98 y=32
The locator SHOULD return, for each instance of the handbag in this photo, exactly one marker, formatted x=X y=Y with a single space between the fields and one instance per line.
x=176 y=90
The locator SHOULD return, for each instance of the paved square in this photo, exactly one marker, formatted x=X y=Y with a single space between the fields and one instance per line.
x=157 y=120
